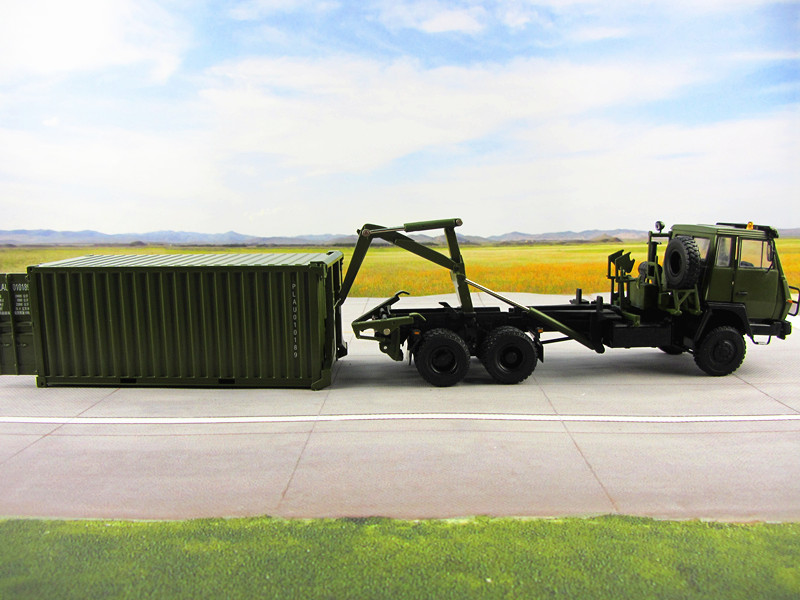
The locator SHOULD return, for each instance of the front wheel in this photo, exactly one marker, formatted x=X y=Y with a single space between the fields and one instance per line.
x=721 y=351
x=442 y=358
x=508 y=355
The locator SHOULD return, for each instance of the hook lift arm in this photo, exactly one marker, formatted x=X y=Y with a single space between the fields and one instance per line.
x=454 y=263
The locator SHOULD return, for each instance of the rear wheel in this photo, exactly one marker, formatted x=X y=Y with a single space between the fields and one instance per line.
x=508 y=354
x=442 y=357
x=721 y=351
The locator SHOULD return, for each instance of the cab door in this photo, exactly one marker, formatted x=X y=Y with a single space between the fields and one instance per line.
x=756 y=279
x=720 y=280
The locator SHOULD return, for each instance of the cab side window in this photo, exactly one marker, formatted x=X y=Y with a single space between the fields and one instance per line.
x=724 y=251
x=755 y=255
x=702 y=245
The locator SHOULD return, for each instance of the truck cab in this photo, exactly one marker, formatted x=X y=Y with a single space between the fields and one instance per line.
x=714 y=285
x=738 y=264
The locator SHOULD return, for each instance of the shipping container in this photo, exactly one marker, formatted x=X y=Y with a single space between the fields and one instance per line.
x=233 y=320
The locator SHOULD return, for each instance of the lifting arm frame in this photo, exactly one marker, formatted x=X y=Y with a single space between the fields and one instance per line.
x=454 y=263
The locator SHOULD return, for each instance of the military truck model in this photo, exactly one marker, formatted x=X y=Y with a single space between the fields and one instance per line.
x=274 y=320
x=715 y=285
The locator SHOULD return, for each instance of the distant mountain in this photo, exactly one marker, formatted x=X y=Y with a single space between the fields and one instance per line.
x=23 y=237
x=48 y=236
x=589 y=235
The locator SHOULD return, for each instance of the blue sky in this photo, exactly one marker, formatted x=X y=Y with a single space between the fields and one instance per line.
x=284 y=117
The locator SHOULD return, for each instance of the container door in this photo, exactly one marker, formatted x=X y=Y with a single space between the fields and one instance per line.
x=17 y=356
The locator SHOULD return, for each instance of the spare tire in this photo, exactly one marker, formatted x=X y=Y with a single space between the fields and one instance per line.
x=682 y=265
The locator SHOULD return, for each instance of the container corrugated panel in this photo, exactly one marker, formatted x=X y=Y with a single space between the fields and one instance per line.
x=248 y=320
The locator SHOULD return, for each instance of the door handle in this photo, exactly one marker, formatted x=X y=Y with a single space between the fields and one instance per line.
x=741 y=293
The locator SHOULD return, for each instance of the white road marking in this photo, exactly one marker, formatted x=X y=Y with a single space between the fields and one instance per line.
x=396 y=417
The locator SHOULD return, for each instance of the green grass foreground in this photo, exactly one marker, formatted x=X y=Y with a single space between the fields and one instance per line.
x=605 y=557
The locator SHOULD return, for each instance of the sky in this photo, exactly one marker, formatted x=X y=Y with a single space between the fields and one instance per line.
x=289 y=117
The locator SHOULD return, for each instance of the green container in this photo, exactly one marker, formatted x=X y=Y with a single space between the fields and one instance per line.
x=221 y=320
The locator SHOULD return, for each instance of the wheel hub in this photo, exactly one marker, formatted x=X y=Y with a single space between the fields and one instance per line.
x=724 y=352
x=443 y=361
x=511 y=358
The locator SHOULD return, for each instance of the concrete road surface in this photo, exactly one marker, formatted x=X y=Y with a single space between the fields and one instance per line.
x=627 y=432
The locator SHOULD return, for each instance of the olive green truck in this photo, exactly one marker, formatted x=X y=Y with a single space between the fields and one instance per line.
x=274 y=320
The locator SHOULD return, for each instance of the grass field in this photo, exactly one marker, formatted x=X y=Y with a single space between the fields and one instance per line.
x=543 y=269
x=607 y=557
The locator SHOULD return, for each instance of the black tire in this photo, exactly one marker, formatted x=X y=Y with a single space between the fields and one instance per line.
x=672 y=349
x=442 y=357
x=642 y=271
x=682 y=263
x=508 y=354
x=721 y=351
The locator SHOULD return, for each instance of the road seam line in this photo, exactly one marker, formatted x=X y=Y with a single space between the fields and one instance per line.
x=320 y=418
x=301 y=453
x=583 y=456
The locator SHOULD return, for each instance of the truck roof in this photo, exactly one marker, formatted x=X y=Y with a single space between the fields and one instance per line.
x=738 y=229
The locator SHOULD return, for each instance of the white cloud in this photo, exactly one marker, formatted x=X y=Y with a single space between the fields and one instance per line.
x=766 y=56
x=465 y=21
x=433 y=16
x=598 y=34
x=305 y=144
x=623 y=6
x=712 y=6
x=514 y=15
x=52 y=37
x=106 y=179
x=349 y=114
x=583 y=174
x=277 y=135
x=250 y=10
x=571 y=21
x=562 y=171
